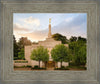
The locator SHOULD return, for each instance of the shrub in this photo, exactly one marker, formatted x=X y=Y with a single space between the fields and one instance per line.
x=36 y=67
x=19 y=66
x=21 y=61
x=77 y=67
x=28 y=66
x=62 y=68
x=16 y=58
x=73 y=64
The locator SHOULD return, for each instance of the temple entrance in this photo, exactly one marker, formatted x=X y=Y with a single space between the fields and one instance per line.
x=50 y=65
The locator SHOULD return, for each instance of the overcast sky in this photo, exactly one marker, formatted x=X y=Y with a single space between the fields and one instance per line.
x=34 y=26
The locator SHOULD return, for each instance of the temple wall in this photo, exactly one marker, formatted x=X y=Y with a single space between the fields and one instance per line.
x=63 y=64
x=28 y=54
x=33 y=63
x=58 y=65
x=49 y=43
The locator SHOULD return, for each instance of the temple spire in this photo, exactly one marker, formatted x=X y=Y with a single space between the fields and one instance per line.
x=49 y=33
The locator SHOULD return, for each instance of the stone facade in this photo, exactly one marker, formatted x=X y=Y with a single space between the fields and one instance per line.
x=49 y=43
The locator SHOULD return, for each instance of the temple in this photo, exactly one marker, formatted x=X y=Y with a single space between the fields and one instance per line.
x=49 y=43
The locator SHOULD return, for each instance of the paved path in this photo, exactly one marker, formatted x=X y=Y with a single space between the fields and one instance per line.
x=50 y=68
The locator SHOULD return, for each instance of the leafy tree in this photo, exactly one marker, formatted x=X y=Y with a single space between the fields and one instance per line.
x=40 y=54
x=60 y=37
x=23 y=41
x=19 y=47
x=15 y=46
x=82 y=55
x=21 y=54
x=78 y=50
x=81 y=39
x=59 y=53
x=73 y=38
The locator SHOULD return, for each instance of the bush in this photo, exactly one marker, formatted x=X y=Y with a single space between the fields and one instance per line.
x=77 y=67
x=19 y=66
x=36 y=67
x=21 y=61
x=73 y=64
x=28 y=66
x=16 y=58
x=62 y=68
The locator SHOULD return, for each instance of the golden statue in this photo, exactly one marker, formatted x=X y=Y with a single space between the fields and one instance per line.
x=49 y=20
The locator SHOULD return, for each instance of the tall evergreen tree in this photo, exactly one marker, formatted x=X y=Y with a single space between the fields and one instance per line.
x=15 y=48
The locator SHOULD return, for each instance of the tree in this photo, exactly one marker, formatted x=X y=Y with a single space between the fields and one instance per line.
x=21 y=54
x=23 y=41
x=19 y=47
x=82 y=55
x=40 y=54
x=15 y=46
x=59 y=53
x=78 y=50
x=81 y=39
x=60 y=37
x=73 y=38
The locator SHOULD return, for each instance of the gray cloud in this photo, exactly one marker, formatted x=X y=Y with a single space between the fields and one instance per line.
x=76 y=27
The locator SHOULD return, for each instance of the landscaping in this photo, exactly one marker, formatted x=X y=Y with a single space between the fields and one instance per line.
x=21 y=61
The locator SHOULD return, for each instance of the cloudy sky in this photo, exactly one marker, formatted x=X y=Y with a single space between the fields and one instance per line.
x=34 y=26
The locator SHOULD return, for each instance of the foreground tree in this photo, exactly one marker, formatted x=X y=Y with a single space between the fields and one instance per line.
x=40 y=54
x=60 y=53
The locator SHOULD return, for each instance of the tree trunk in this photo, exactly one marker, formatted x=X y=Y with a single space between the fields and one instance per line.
x=39 y=63
x=54 y=64
x=61 y=63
